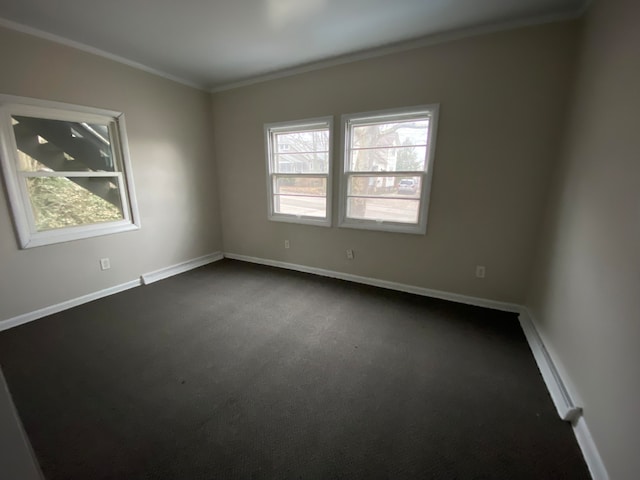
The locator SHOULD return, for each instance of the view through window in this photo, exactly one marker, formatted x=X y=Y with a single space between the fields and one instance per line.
x=299 y=164
x=387 y=167
x=65 y=170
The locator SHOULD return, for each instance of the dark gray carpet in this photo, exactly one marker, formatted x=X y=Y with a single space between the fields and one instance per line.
x=241 y=371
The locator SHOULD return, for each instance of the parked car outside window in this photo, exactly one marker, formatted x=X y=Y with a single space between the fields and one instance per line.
x=407 y=185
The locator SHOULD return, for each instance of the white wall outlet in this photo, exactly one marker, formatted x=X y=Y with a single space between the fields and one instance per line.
x=105 y=264
x=350 y=254
x=480 y=271
x=287 y=244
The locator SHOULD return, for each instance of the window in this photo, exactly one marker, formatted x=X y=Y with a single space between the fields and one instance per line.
x=66 y=169
x=299 y=169
x=386 y=169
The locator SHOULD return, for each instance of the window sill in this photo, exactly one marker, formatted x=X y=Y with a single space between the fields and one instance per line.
x=76 y=233
x=384 y=226
x=324 y=222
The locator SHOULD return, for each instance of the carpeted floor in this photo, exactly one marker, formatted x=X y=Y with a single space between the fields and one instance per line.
x=236 y=371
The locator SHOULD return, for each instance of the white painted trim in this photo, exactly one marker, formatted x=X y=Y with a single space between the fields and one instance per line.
x=401 y=287
x=59 y=307
x=18 y=27
x=590 y=450
x=347 y=122
x=147 y=278
x=556 y=386
x=21 y=441
x=561 y=391
x=403 y=46
x=379 y=51
x=17 y=192
x=550 y=374
x=319 y=123
x=143 y=280
x=559 y=394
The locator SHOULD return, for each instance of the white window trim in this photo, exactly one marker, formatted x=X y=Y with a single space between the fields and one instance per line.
x=17 y=193
x=269 y=129
x=394 y=114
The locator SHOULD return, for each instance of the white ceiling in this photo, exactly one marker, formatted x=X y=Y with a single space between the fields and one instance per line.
x=213 y=43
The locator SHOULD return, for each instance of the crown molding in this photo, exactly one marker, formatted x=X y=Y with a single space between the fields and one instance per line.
x=375 y=52
x=420 y=42
x=18 y=27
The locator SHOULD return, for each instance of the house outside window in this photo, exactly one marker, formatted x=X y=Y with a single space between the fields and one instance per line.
x=387 y=164
x=299 y=171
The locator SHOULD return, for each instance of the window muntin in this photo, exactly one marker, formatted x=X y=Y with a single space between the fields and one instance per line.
x=386 y=169
x=66 y=169
x=299 y=168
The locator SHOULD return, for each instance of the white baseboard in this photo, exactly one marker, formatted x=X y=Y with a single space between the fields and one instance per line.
x=553 y=380
x=557 y=387
x=59 y=307
x=401 y=287
x=590 y=450
x=560 y=395
x=143 y=280
x=163 y=273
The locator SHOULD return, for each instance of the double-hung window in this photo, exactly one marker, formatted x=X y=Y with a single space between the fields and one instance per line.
x=66 y=169
x=299 y=171
x=386 y=169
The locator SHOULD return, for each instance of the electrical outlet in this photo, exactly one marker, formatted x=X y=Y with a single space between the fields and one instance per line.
x=287 y=244
x=105 y=264
x=480 y=271
x=350 y=254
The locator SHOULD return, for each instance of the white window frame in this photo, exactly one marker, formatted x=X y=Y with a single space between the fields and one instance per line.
x=17 y=192
x=270 y=129
x=391 y=115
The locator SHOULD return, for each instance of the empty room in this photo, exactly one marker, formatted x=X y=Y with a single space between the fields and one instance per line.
x=318 y=239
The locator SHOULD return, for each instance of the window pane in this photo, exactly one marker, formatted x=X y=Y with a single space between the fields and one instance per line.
x=385 y=209
x=60 y=146
x=59 y=202
x=309 y=186
x=398 y=133
x=388 y=159
x=298 y=205
x=402 y=187
x=309 y=141
x=301 y=162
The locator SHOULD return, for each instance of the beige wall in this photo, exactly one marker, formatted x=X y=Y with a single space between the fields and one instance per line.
x=171 y=153
x=586 y=292
x=502 y=101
